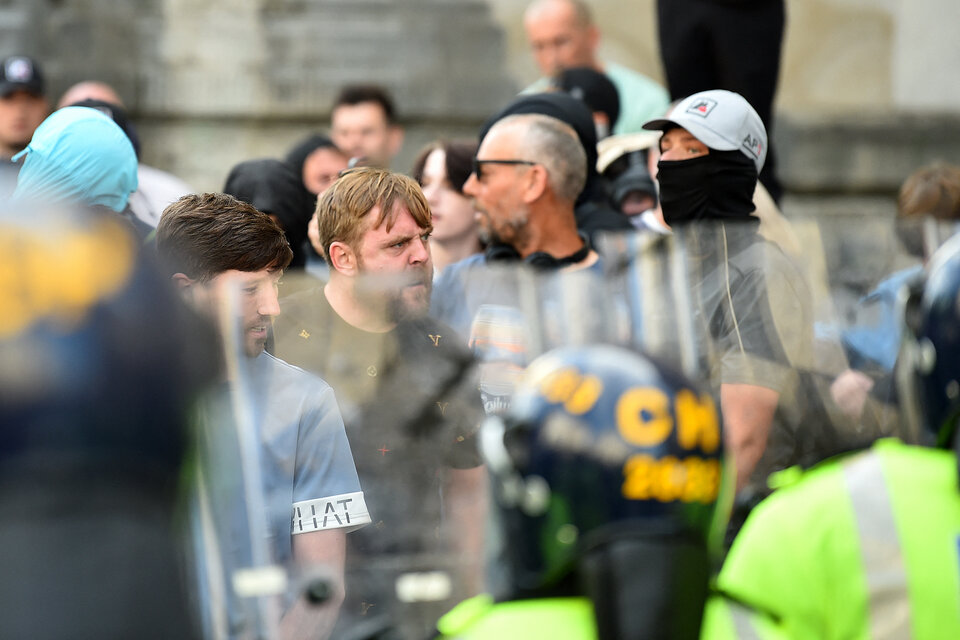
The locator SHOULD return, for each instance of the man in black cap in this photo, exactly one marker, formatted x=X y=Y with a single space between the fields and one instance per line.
x=595 y=90
x=23 y=106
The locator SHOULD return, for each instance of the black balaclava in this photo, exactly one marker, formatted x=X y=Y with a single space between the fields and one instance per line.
x=272 y=187
x=715 y=186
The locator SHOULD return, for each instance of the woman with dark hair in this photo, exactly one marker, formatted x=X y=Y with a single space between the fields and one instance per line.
x=442 y=168
x=317 y=161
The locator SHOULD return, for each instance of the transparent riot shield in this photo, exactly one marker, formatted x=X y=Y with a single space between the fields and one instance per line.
x=238 y=582
x=759 y=326
x=518 y=319
x=99 y=362
x=275 y=487
x=860 y=267
x=413 y=393
x=810 y=334
x=406 y=388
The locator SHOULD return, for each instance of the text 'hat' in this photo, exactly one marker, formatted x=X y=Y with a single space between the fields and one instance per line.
x=722 y=120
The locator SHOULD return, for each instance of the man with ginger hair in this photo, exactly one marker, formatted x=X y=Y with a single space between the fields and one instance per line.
x=404 y=384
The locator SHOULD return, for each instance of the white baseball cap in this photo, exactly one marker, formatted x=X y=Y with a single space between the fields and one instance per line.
x=722 y=120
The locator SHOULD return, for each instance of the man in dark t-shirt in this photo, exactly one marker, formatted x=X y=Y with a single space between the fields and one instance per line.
x=753 y=302
x=409 y=409
x=405 y=386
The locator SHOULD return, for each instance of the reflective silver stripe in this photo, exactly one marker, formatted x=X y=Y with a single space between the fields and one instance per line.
x=742 y=623
x=888 y=599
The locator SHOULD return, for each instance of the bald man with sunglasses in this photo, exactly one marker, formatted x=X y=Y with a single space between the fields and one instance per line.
x=527 y=175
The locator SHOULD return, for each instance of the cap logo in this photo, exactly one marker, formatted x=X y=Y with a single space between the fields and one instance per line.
x=702 y=107
x=753 y=145
x=18 y=70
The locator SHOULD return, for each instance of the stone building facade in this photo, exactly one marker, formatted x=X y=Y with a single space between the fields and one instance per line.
x=868 y=88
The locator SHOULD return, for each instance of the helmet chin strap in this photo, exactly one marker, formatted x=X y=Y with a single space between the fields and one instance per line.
x=647 y=586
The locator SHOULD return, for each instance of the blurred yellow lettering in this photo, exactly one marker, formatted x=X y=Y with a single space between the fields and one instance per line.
x=60 y=275
x=696 y=421
x=643 y=416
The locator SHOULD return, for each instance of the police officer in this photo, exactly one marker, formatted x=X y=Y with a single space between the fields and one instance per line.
x=867 y=546
x=99 y=362
x=609 y=480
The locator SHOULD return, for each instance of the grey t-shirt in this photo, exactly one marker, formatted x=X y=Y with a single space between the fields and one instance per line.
x=305 y=458
x=308 y=481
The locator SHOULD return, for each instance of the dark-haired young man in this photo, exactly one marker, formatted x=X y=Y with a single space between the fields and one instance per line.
x=210 y=243
x=363 y=124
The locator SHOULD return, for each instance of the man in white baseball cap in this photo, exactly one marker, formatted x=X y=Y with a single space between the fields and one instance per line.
x=712 y=149
x=753 y=299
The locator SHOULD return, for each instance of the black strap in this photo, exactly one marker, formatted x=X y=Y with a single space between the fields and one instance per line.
x=539 y=259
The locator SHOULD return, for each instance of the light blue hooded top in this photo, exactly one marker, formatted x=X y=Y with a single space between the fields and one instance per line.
x=78 y=155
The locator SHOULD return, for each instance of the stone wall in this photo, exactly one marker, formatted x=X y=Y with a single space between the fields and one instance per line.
x=214 y=82
x=868 y=88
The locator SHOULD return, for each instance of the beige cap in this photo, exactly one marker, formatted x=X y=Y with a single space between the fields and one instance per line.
x=609 y=149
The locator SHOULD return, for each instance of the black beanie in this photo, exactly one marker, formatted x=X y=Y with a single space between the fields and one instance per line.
x=272 y=187
x=592 y=87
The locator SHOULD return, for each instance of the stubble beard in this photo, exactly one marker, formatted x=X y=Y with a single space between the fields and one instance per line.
x=512 y=232
x=412 y=302
x=400 y=302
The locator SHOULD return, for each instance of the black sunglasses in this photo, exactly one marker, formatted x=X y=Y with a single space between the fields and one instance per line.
x=478 y=164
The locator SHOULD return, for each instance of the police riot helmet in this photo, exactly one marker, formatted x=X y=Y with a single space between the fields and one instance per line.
x=98 y=355
x=606 y=448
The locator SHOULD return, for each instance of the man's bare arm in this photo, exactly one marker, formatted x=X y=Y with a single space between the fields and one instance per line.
x=326 y=551
x=747 y=415
x=465 y=510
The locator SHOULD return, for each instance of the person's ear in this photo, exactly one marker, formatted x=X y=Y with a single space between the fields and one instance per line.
x=182 y=281
x=396 y=139
x=343 y=258
x=535 y=183
x=190 y=290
